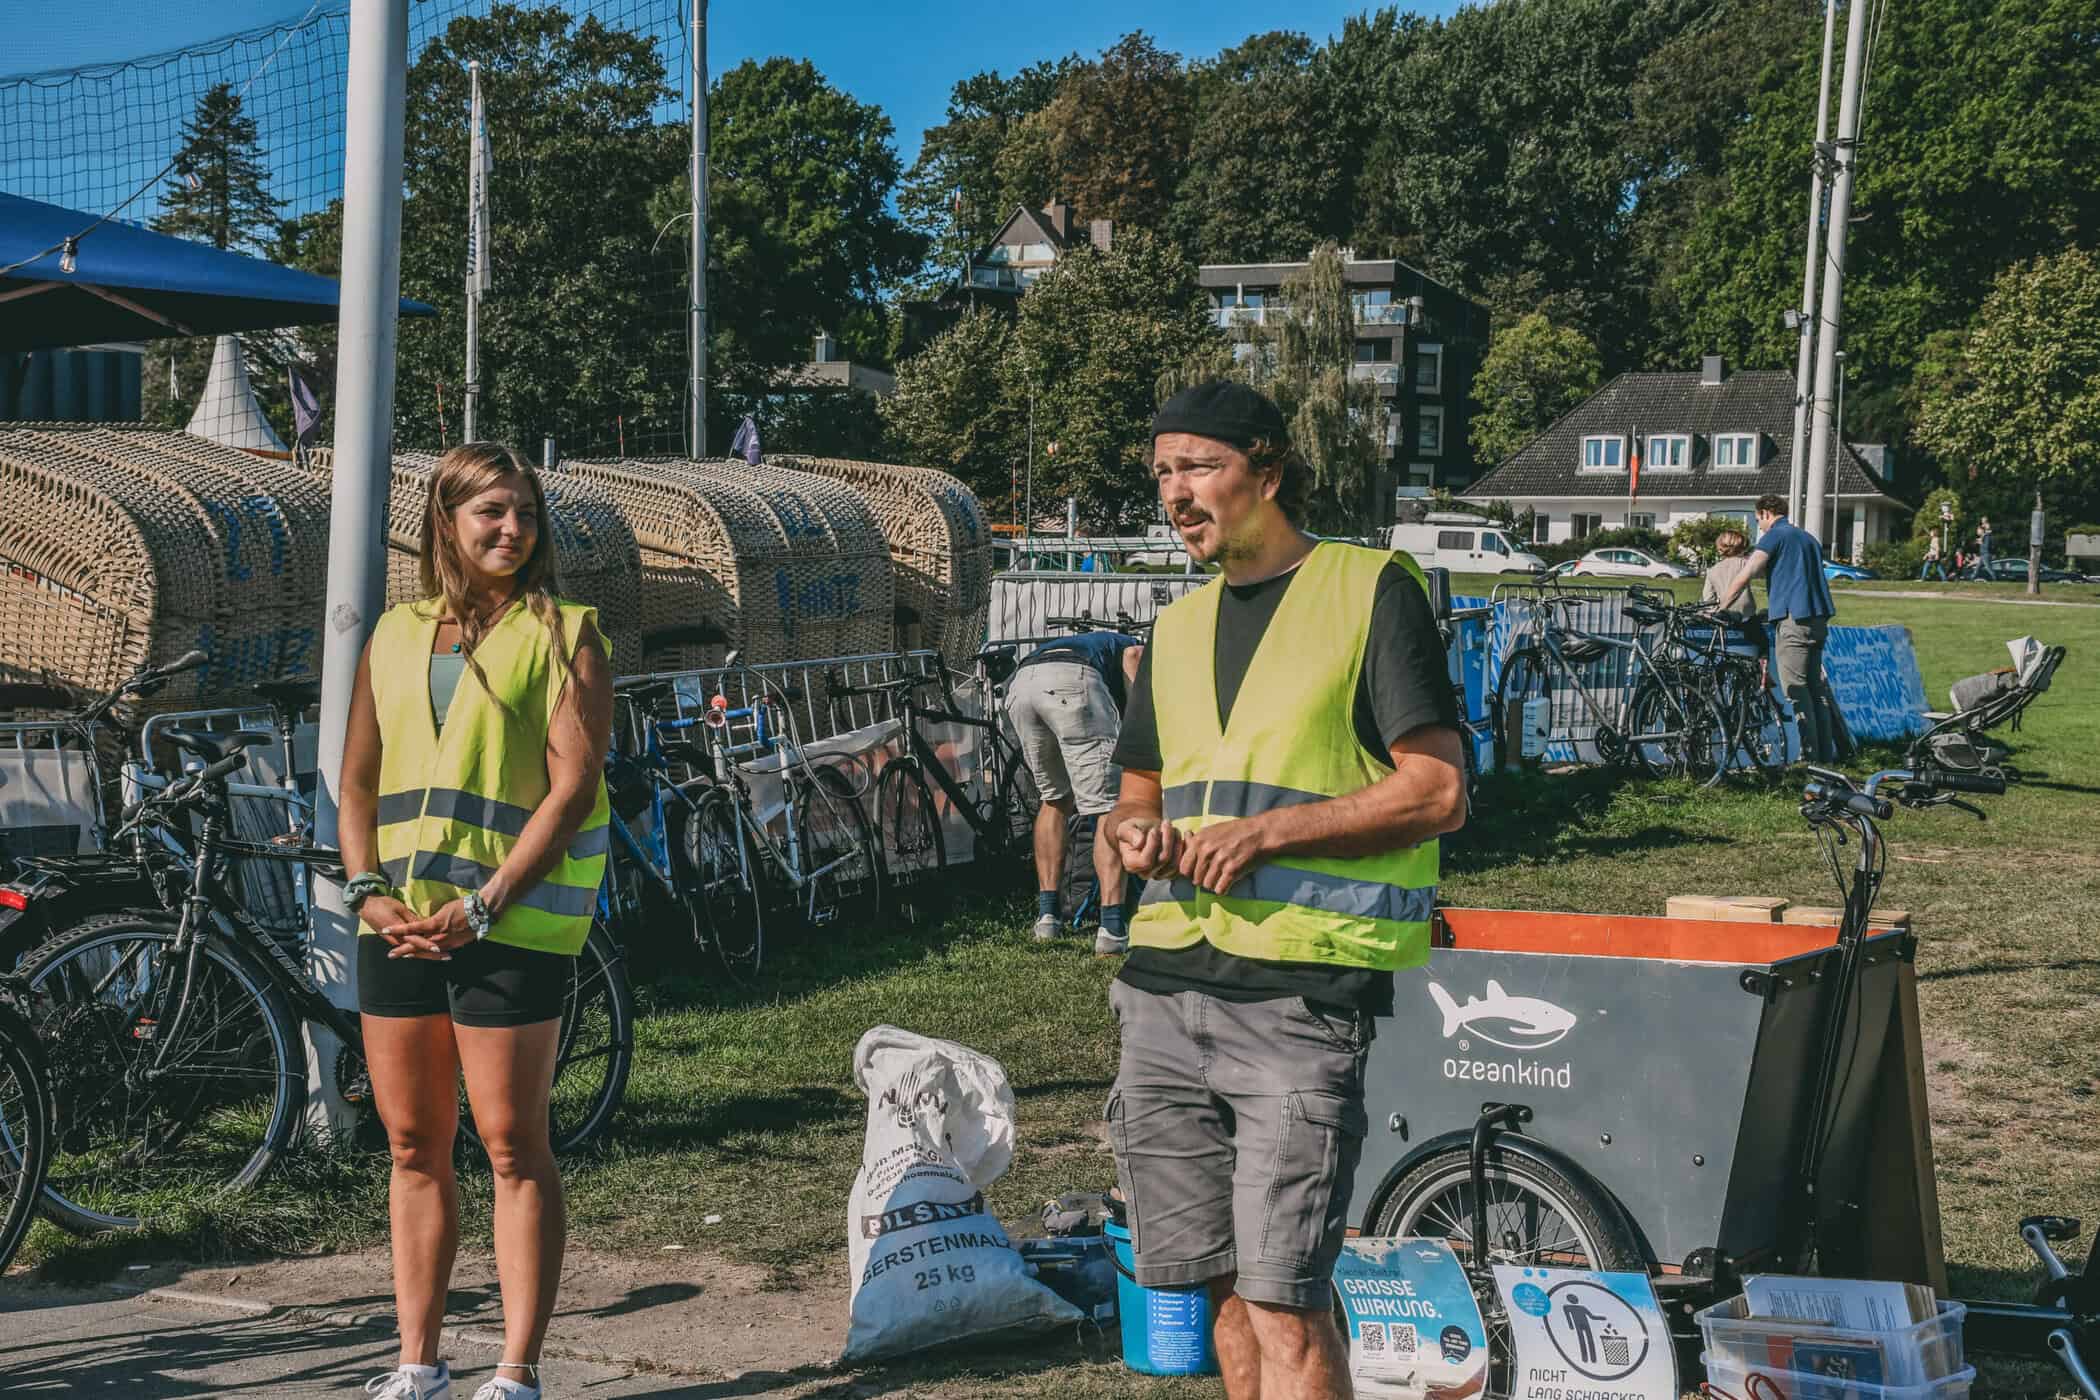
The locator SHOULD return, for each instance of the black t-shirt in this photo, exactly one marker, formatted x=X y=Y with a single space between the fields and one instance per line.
x=1405 y=685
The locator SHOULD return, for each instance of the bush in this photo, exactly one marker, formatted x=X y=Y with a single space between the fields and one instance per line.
x=1626 y=537
x=1697 y=536
x=1895 y=558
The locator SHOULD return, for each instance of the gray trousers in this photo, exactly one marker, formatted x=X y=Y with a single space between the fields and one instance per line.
x=1799 y=652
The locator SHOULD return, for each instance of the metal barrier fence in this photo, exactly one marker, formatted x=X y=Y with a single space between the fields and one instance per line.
x=50 y=792
x=818 y=715
x=1021 y=602
x=1520 y=611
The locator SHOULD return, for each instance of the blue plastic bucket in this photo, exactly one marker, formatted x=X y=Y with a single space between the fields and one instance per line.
x=1166 y=1331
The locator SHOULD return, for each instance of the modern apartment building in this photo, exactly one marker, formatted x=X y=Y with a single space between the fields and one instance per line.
x=1418 y=340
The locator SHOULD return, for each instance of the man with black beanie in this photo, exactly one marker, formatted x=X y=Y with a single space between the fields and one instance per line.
x=1290 y=756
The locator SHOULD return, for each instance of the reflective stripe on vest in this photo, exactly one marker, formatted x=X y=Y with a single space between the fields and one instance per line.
x=453 y=805
x=1291 y=740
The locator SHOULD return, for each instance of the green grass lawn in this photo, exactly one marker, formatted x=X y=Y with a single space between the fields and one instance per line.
x=742 y=1105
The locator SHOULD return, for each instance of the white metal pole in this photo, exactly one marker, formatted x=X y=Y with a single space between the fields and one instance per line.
x=470 y=425
x=698 y=329
x=1825 y=402
x=1804 y=365
x=1028 y=518
x=364 y=417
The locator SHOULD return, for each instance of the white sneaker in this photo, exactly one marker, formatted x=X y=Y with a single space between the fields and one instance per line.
x=403 y=1384
x=1107 y=945
x=1048 y=928
x=503 y=1388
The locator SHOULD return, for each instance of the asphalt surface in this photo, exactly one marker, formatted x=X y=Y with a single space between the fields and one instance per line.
x=57 y=1341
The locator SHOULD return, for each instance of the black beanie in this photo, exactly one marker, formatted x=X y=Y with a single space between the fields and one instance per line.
x=1224 y=410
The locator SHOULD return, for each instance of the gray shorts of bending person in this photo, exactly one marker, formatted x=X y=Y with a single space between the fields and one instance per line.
x=1067 y=722
x=1237 y=1127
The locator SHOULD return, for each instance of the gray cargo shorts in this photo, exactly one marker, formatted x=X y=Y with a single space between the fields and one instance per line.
x=1237 y=1127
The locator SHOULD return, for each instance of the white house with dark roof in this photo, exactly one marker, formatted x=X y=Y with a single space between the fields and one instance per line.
x=1709 y=443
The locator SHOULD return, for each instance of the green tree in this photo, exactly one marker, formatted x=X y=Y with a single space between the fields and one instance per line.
x=1303 y=361
x=580 y=337
x=1115 y=139
x=1533 y=373
x=954 y=408
x=219 y=189
x=1094 y=336
x=1980 y=148
x=2025 y=413
x=953 y=195
x=1268 y=164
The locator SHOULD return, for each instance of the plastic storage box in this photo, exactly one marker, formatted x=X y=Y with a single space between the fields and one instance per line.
x=1920 y=1355
x=1762 y=1383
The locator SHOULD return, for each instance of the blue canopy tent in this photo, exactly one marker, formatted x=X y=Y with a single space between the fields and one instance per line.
x=129 y=283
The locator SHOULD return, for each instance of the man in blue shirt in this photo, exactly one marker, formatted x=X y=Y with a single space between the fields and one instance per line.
x=1798 y=602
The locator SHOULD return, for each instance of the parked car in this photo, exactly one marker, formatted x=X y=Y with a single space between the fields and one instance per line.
x=1832 y=569
x=1624 y=562
x=2013 y=569
x=1463 y=544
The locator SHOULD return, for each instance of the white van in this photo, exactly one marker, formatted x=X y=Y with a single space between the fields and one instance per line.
x=1469 y=544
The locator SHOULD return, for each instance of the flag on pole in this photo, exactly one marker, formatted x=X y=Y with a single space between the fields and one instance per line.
x=745 y=443
x=306 y=409
x=481 y=165
x=1633 y=475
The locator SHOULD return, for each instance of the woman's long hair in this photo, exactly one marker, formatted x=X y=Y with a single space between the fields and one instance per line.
x=462 y=474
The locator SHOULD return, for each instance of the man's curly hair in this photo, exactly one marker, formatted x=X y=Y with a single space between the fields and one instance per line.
x=1296 y=481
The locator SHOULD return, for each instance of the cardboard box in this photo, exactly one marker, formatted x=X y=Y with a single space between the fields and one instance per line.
x=1733 y=908
x=1827 y=914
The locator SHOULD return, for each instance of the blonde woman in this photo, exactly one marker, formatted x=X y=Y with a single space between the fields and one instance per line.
x=1721 y=576
x=474 y=823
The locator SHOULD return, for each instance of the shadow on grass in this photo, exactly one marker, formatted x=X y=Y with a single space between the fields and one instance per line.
x=1522 y=816
x=1945 y=974
x=660 y=1126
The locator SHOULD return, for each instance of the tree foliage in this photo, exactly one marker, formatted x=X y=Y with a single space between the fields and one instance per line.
x=954 y=408
x=2025 y=411
x=219 y=189
x=1533 y=373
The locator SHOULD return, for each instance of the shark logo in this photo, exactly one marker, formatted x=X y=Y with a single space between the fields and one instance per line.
x=1514 y=1023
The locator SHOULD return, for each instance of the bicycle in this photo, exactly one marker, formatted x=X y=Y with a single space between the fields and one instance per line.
x=27 y=1119
x=656 y=864
x=1739 y=684
x=1665 y=727
x=1003 y=819
x=173 y=1028
x=823 y=863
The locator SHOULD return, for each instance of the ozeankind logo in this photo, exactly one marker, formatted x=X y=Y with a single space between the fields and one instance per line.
x=1514 y=1023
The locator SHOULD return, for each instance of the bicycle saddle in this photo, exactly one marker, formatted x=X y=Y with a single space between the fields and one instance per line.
x=1583 y=649
x=296 y=695
x=213 y=747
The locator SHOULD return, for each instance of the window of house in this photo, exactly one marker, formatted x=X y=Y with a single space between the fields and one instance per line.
x=1541 y=527
x=1583 y=526
x=1429 y=428
x=1604 y=454
x=1374 y=352
x=1735 y=451
x=1669 y=452
x=1037 y=252
x=1429 y=368
x=1454 y=539
x=1641 y=520
x=1392 y=429
x=1421 y=474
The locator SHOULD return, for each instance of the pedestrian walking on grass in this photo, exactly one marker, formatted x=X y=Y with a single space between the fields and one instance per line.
x=1983 y=543
x=1798 y=601
x=1290 y=757
x=1066 y=703
x=474 y=822
x=1932 y=564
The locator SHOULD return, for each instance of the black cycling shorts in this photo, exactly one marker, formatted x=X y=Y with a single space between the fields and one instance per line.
x=483 y=984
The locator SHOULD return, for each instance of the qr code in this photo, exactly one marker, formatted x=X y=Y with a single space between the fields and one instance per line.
x=1372 y=1336
x=1403 y=1338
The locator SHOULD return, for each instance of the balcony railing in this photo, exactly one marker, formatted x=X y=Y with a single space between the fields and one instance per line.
x=1229 y=316
x=1387 y=315
x=1378 y=372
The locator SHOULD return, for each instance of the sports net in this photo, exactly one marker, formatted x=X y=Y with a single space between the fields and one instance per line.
x=239 y=141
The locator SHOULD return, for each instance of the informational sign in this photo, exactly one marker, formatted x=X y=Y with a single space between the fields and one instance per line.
x=1414 y=1325
x=1578 y=1335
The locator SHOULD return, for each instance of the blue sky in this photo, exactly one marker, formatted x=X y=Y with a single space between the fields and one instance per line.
x=901 y=54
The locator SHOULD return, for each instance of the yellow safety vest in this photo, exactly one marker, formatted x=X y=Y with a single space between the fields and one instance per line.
x=1291 y=739
x=452 y=806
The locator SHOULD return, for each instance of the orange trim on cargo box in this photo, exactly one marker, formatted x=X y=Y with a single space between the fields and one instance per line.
x=1628 y=936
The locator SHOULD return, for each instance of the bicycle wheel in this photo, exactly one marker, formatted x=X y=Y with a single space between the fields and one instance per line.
x=914 y=849
x=1014 y=815
x=27 y=1117
x=597 y=1042
x=721 y=879
x=1535 y=1216
x=1656 y=730
x=1707 y=738
x=1758 y=735
x=224 y=1104
x=1524 y=677
x=836 y=841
